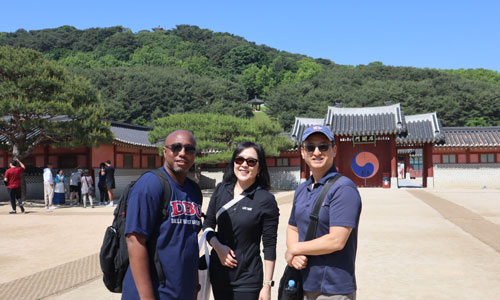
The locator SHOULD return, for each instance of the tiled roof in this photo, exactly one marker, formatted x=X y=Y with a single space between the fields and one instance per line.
x=301 y=124
x=34 y=132
x=365 y=120
x=124 y=134
x=424 y=128
x=471 y=137
x=134 y=135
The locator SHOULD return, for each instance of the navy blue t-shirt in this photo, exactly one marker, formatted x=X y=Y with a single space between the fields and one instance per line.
x=177 y=239
x=329 y=273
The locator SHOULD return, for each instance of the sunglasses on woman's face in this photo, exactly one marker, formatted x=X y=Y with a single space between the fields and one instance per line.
x=177 y=147
x=251 y=162
x=321 y=147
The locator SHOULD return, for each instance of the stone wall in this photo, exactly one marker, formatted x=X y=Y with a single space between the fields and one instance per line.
x=467 y=176
x=282 y=178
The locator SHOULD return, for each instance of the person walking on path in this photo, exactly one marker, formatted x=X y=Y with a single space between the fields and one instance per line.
x=48 y=186
x=110 y=181
x=236 y=264
x=101 y=184
x=12 y=177
x=87 y=184
x=59 y=191
x=75 y=182
x=328 y=260
x=176 y=236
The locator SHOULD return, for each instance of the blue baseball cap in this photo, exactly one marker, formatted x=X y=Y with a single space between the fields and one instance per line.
x=318 y=128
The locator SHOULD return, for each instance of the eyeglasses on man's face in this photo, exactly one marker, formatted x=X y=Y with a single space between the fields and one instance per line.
x=251 y=162
x=177 y=148
x=310 y=147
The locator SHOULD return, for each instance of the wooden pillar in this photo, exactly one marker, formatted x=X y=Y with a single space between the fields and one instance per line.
x=140 y=158
x=89 y=162
x=303 y=165
x=427 y=168
x=6 y=159
x=114 y=156
x=407 y=164
x=394 y=157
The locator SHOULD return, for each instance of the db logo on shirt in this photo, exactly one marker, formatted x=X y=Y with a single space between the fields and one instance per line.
x=185 y=208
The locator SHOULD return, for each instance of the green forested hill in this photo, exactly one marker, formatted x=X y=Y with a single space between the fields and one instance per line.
x=150 y=74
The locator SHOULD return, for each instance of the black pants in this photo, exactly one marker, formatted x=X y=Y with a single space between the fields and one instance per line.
x=104 y=193
x=229 y=294
x=15 y=194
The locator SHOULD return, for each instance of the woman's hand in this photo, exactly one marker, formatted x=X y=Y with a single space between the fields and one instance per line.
x=265 y=292
x=226 y=256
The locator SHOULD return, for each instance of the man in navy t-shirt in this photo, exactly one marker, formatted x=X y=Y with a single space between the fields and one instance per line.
x=176 y=236
x=327 y=261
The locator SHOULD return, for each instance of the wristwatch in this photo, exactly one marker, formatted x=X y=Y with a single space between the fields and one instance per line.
x=270 y=282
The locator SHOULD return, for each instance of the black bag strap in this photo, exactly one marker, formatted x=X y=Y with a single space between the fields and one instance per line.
x=165 y=202
x=314 y=217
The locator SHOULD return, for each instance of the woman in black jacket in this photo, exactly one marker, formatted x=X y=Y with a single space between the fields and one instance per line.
x=235 y=262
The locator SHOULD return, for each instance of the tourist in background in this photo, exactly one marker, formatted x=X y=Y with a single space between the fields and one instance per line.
x=59 y=191
x=235 y=261
x=48 y=187
x=12 y=179
x=101 y=184
x=87 y=186
x=74 y=186
x=110 y=181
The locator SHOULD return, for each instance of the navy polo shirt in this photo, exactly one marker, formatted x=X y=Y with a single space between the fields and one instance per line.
x=177 y=235
x=329 y=273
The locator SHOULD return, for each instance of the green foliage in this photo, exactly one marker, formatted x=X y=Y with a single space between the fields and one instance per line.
x=477 y=74
x=480 y=121
x=38 y=96
x=141 y=94
x=198 y=65
x=217 y=135
x=152 y=56
x=189 y=69
x=455 y=99
x=258 y=81
x=237 y=59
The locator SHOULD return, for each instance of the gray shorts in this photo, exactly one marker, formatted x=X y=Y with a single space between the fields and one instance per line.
x=321 y=296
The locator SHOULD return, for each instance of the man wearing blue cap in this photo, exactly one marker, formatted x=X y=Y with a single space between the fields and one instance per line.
x=327 y=261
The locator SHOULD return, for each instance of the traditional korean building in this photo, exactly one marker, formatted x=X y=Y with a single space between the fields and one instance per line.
x=130 y=153
x=380 y=146
x=377 y=147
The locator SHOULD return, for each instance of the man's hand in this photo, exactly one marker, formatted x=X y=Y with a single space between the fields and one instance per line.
x=296 y=261
x=299 y=262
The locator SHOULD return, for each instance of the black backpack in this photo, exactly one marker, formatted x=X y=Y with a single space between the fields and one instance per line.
x=114 y=257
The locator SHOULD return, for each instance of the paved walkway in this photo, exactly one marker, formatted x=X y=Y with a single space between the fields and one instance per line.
x=413 y=244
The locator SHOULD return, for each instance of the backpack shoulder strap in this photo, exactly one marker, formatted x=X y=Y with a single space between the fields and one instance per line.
x=314 y=217
x=167 y=191
x=165 y=202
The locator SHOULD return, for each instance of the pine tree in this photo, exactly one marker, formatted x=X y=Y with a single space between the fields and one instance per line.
x=40 y=103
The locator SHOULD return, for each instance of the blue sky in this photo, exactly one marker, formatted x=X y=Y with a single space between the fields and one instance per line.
x=435 y=34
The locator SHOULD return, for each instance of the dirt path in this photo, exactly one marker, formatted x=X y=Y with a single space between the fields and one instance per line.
x=471 y=222
x=413 y=244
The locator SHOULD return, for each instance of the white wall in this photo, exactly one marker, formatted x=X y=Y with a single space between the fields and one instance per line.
x=282 y=178
x=467 y=176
